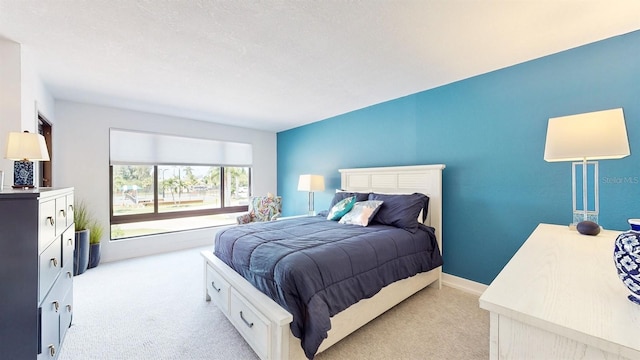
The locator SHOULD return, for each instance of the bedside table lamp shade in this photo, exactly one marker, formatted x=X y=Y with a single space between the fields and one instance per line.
x=24 y=147
x=311 y=183
x=589 y=136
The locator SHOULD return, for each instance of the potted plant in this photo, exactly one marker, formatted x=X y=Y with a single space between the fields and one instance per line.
x=95 y=236
x=81 y=251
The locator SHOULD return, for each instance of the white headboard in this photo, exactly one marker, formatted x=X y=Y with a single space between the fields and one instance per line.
x=425 y=179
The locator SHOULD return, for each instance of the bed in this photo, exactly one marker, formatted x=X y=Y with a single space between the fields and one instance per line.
x=267 y=326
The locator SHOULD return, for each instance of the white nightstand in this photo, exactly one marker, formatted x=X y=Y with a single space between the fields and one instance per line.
x=559 y=297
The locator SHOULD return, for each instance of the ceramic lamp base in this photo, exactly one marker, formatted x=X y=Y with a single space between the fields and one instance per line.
x=626 y=256
x=22 y=174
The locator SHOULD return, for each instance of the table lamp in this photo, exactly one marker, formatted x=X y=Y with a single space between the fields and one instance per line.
x=311 y=183
x=583 y=137
x=25 y=147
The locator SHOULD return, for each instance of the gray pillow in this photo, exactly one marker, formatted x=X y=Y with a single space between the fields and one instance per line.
x=401 y=211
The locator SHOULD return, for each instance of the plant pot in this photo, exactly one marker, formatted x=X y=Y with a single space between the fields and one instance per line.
x=94 y=255
x=81 y=252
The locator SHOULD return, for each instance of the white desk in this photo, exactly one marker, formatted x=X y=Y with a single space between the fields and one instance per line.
x=559 y=297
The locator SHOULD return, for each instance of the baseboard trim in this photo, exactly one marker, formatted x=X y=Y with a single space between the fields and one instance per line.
x=465 y=285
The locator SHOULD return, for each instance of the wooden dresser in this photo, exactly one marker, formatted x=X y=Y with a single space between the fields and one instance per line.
x=36 y=271
x=559 y=297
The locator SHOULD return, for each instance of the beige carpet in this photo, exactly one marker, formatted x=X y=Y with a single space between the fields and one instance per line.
x=154 y=308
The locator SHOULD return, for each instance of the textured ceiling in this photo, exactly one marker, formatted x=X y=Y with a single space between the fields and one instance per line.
x=275 y=65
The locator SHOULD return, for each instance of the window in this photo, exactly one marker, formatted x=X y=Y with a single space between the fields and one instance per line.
x=150 y=195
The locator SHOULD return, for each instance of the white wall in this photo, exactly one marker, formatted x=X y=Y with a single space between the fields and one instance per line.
x=9 y=101
x=22 y=95
x=81 y=140
x=35 y=97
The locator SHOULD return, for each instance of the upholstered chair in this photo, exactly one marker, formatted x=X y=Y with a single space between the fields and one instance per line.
x=262 y=208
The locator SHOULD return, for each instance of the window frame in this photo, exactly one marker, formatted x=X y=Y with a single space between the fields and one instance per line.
x=155 y=215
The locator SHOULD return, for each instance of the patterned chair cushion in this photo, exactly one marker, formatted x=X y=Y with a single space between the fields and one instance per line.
x=262 y=208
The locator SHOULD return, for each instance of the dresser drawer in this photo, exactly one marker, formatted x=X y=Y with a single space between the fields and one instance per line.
x=66 y=277
x=68 y=245
x=50 y=263
x=66 y=312
x=46 y=224
x=61 y=215
x=51 y=309
x=218 y=289
x=253 y=326
x=49 y=333
x=70 y=209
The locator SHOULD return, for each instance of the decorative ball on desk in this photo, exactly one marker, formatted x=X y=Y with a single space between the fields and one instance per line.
x=626 y=255
x=588 y=228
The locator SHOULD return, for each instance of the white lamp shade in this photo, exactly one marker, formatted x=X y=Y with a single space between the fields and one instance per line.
x=26 y=146
x=311 y=183
x=591 y=136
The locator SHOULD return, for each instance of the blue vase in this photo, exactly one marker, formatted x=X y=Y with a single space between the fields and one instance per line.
x=81 y=252
x=626 y=256
x=94 y=255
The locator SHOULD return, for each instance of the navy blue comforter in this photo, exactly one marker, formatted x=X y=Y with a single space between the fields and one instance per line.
x=315 y=268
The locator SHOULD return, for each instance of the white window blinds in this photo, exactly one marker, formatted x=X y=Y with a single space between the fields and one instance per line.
x=133 y=147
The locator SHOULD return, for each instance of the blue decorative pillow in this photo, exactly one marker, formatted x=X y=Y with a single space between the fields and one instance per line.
x=362 y=213
x=342 y=207
x=401 y=210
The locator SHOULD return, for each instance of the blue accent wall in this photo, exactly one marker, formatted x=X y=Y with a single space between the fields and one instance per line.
x=489 y=131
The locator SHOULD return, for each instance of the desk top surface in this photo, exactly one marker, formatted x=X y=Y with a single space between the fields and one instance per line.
x=567 y=283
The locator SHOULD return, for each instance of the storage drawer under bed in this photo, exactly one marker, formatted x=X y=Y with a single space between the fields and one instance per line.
x=218 y=289
x=262 y=322
x=253 y=326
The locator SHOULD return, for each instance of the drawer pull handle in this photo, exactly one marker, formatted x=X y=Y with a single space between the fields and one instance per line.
x=63 y=213
x=69 y=308
x=52 y=350
x=51 y=221
x=250 y=325
x=214 y=287
x=70 y=209
x=56 y=305
x=70 y=242
x=69 y=275
x=54 y=262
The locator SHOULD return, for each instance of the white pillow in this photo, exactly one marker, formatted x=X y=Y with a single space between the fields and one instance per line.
x=361 y=213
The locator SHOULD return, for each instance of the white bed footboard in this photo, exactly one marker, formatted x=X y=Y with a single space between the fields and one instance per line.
x=260 y=320
x=266 y=326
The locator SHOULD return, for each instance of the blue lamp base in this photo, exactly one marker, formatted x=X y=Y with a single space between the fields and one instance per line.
x=22 y=174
